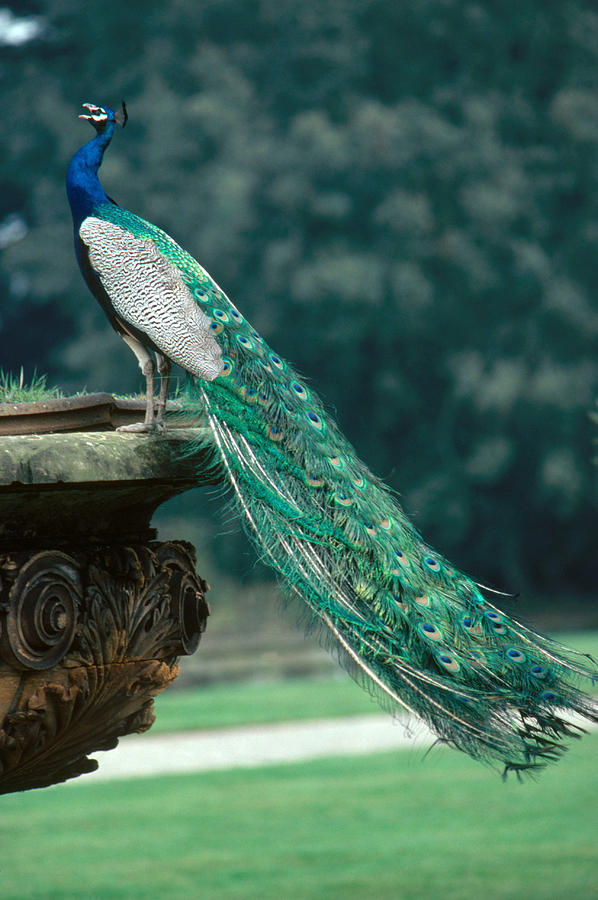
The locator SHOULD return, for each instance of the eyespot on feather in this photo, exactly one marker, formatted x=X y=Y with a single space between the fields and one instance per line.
x=399 y=602
x=298 y=390
x=549 y=696
x=314 y=420
x=493 y=616
x=227 y=367
x=244 y=342
x=430 y=631
x=448 y=662
x=401 y=558
x=470 y=626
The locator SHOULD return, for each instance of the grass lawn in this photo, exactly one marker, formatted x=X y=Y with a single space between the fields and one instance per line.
x=392 y=825
x=257 y=703
x=397 y=825
x=228 y=705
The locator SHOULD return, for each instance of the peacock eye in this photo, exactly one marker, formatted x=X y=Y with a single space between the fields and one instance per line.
x=298 y=390
x=550 y=696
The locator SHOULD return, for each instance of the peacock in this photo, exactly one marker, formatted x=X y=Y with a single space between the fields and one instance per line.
x=422 y=636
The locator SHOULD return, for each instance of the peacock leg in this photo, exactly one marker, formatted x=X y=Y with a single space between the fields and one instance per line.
x=147 y=366
x=164 y=367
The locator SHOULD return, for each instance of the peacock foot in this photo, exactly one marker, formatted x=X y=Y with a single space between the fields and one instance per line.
x=156 y=427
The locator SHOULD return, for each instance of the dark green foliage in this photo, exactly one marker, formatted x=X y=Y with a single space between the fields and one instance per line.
x=401 y=197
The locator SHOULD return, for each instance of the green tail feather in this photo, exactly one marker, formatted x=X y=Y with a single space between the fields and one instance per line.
x=420 y=634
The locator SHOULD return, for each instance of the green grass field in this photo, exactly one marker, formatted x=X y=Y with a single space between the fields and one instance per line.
x=258 y=703
x=393 y=825
x=398 y=825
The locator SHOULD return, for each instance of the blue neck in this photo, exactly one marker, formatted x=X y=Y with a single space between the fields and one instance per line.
x=83 y=187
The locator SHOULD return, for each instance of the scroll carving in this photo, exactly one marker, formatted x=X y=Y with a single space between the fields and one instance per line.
x=42 y=609
x=87 y=639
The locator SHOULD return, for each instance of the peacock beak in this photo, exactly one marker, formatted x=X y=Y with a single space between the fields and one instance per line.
x=97 y=115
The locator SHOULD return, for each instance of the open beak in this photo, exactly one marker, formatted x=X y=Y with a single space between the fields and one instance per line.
x=97 y=115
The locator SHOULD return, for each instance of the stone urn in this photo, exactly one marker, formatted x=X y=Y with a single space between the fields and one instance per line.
x=94 y=611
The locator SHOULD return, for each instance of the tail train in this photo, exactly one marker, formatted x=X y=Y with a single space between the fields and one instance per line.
x=421 y=635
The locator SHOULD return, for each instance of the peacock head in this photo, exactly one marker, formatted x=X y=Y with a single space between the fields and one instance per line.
x=102 y=116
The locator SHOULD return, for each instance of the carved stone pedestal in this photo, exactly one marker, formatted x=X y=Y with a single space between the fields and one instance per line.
x=93 y=612
x=88 y=639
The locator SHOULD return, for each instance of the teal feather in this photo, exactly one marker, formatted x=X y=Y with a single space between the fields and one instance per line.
x=422 y=636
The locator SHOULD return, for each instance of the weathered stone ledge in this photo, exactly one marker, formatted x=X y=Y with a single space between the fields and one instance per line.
x=84 y=457
x=93 y=484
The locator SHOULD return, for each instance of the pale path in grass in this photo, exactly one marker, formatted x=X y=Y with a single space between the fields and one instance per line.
x=250 y=746
x=254 y=745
